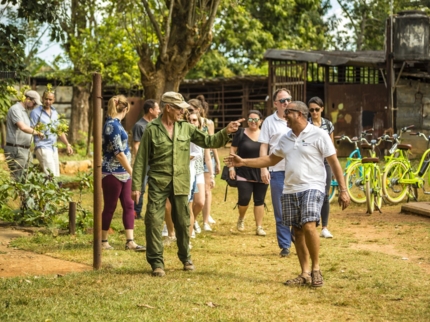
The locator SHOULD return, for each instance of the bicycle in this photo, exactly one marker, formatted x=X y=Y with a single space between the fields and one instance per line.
x=401 y=178
x=356 y=193
x=398 y=152
x=366 y=176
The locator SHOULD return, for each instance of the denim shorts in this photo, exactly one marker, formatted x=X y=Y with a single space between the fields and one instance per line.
x=302 y=207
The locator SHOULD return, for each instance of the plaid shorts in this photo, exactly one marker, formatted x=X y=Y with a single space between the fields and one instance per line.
x=302 y=207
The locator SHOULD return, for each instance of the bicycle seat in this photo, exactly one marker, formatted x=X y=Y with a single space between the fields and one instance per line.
x=366 y=146
x=404 y=146
x=370 y=160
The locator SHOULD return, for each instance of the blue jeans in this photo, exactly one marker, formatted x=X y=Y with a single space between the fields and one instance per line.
x=283 y=233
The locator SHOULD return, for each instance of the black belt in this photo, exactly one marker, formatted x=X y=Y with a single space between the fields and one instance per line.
x=18 y=145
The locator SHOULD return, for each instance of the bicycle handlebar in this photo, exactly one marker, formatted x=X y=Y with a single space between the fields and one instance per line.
x=421 y=134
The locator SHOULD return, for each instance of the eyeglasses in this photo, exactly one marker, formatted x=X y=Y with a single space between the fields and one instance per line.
x=255 y=120
x=314 y=109
x=283 y=100
x=191 y=110
x=289 y=110
x=193 y=120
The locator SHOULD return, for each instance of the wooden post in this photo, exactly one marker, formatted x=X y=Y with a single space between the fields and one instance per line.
x=97 y=158
x=72 y=217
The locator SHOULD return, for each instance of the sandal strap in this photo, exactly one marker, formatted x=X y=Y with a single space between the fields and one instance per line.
x=129 y=240
x=299 y=280
x=317 y=278
x=104 y=240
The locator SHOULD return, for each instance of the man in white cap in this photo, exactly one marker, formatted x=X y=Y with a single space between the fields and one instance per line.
x=19 y=134
x=165 y=151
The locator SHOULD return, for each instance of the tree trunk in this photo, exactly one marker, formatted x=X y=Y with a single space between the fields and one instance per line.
x=79 y=115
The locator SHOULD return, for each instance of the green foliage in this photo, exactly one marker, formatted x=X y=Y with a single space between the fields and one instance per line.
x=105 y=49
x=42 y=201
x=365 y=22
x=245 y=29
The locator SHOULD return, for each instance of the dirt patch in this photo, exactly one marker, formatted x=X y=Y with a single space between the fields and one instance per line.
x=379 y=233
x=14 y=262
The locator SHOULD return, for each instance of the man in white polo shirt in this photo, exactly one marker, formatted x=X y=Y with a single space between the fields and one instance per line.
x=274 y=126
x=304 y=149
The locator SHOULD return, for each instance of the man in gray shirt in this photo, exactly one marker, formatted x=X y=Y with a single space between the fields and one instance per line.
x=19 y=134
x=151 y=110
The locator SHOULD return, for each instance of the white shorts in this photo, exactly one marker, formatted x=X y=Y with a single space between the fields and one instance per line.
x=48 y=159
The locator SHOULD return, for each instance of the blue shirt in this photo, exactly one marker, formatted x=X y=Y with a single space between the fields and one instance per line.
x=39 y=115
x=114 y=141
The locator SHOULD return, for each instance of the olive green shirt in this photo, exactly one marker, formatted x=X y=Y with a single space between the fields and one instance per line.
x=169 y=159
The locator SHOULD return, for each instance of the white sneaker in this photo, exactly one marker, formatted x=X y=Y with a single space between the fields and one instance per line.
x=165 y=233
x=325 y=233
x=193 y=234
x=211 y=220
x=260 y=231
x=197 y=228
x=240 y=225
x=207 y=227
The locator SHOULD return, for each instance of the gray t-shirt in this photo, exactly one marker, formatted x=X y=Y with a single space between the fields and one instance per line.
x=138 y=129
x=17 y=113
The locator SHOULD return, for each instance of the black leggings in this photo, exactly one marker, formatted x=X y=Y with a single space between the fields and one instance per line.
x=246 y=189
x=325 y=210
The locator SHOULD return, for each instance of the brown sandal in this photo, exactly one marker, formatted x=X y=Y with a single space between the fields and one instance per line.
x=298 y=281
x=317 y=279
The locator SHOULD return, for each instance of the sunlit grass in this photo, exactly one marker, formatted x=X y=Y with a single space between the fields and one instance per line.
x=238 y=276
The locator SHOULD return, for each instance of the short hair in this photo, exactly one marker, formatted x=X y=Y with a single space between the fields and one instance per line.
x=148 y=104
x=275 y=94
x=255 y=112
x=117 y=104
x=316 y=100
x=301 y=107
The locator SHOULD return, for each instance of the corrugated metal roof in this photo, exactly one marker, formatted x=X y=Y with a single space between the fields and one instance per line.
x=330 y=58
x=234 y=79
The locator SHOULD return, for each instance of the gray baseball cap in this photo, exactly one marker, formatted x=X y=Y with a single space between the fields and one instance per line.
x=34 y=96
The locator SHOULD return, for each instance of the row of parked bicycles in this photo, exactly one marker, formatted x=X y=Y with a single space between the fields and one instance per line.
x=370 y=183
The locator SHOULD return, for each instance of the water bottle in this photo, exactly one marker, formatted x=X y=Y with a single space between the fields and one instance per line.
x=424 y=167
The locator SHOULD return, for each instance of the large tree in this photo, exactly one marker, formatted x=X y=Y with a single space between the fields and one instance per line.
x=170 y=37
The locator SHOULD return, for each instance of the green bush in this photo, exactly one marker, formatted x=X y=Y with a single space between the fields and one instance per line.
x=42 y=201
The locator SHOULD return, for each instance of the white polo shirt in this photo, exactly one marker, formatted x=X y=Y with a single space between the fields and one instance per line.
x=304 y=159
x=272 y=129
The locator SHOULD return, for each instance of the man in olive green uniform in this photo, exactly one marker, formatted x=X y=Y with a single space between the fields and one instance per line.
x=165 y=150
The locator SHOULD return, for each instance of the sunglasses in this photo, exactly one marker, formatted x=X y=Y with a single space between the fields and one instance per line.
x=255 y=120
x=283 y=100
x=191 y=110
x=314 y=109
x=289 y=110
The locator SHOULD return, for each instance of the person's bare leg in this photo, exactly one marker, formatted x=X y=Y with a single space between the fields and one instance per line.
x=313 y=243
x=302 y=251
x=199 y=200
x=168 y=219
x=258 y=214
x=208 y=198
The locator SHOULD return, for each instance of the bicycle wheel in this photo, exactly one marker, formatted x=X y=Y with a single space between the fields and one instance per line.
x=394 y=191
x=332 y=191
x=355 y=183
x=370 y=197
x=377 y=188
x=373 y=190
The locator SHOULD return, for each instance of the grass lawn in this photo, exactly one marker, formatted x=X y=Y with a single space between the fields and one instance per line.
x=376 y=268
